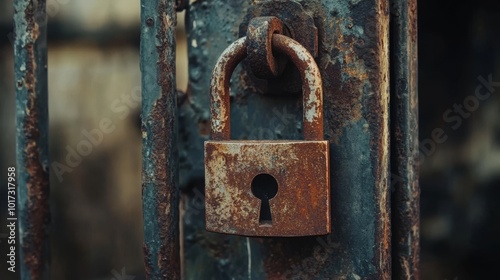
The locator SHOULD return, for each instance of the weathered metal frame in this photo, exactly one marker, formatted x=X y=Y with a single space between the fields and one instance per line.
x=404 y=140
x=160 y=189
x=30 y=50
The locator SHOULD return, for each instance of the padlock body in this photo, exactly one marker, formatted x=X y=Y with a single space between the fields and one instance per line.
x=301 y=206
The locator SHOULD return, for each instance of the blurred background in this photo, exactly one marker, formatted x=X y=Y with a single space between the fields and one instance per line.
x=94 y=74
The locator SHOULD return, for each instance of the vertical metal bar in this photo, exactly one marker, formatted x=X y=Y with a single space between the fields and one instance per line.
x=160 y=188
x=30 y=50
x=404 y=133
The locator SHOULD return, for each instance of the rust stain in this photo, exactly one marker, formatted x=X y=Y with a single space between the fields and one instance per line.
x=37 y=183
x=348 y=76
x=160 y=173
x=356 y=57
x=412 y=45
x=378 y=112
x=259 y=47
x=352 y=64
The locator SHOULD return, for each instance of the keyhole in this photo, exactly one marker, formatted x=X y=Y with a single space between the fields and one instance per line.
x=264 y=187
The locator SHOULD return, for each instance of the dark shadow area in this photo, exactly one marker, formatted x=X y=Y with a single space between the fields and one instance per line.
x=459 y=86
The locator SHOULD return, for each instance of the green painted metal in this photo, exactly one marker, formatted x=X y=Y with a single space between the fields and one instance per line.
x=30 y=49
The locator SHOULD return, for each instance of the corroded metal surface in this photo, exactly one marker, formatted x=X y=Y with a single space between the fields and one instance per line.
x=298 y=24
x=259 y=46
x=302 y=204
x=30 y=51
x=220 y=116
x=353 y=60
x=159 y=138
x=404 y=133
x=301 y=168
x=312 y=90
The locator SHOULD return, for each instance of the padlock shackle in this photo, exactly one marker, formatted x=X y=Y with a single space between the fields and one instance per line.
x=312 y=90
x=220 y=120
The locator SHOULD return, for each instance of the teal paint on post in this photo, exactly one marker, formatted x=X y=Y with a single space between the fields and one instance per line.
x=159 y=139
x=30 y=50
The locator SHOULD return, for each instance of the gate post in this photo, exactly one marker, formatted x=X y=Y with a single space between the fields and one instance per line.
x=30 y=50
x=160 y=191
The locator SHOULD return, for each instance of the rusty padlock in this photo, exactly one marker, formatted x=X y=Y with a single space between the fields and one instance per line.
x=269 y=187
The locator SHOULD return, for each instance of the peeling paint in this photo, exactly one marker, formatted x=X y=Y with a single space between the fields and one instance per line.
x=32 y=141
x=160 y=186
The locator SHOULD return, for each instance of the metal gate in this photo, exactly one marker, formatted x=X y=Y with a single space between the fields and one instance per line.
x=367 y=55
